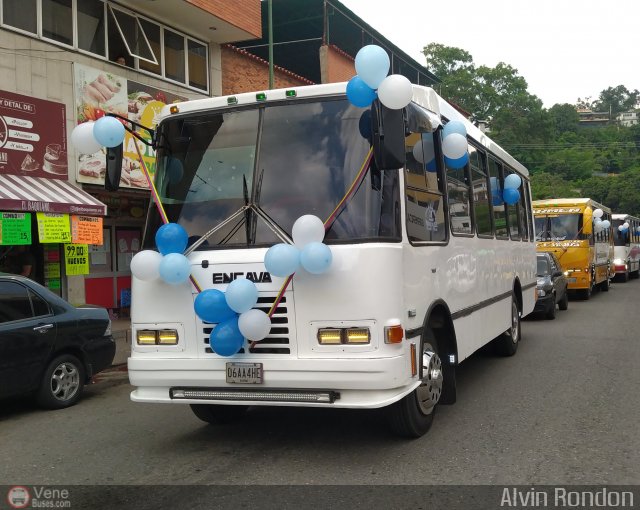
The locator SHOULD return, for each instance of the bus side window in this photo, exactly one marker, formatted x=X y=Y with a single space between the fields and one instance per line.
x=480 y=183
x=513 y=214
x=423 y=197
x=499 y=211
x=459 y=193
x=526 y=201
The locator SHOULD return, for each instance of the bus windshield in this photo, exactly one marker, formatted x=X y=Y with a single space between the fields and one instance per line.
x=563 y=227
x=620 y=238
x=286 y=159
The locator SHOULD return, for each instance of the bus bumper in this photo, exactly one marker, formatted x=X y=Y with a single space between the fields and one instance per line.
x=353 y=383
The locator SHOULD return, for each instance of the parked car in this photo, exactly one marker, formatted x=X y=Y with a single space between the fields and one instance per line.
x=48 y=347
x=551 y=286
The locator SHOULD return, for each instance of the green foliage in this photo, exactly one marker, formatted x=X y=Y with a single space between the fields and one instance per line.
x=564 y=160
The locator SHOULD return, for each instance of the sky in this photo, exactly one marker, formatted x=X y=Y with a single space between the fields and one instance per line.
x=564 y=49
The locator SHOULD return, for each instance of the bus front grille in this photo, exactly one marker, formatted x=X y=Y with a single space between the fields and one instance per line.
x=276 y=342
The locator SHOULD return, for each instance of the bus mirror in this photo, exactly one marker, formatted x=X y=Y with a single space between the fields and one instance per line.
x=388 y=137
x=114 y=168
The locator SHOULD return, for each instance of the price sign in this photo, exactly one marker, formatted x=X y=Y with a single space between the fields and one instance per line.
x=76 y=259
x=86 y=230
x=53 y=227
x=15 y=228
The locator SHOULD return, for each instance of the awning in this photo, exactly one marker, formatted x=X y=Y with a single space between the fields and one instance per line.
x=24 y=193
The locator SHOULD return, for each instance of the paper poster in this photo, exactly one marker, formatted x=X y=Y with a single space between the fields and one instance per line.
x=86 y=230
x=15 y=228
x=76 y=259
x=99 y=92
x=53 y=227
x=33 y=137
x=51 y=270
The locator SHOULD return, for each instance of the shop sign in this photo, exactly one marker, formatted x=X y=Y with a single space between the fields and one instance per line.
x=99 y=92
x=53 y=227
x=15 y=228
x=51 y=270
x=76 y=259
x=33 y=137
x=86 y=230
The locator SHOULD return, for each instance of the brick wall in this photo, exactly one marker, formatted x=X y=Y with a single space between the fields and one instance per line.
x=244 y=14
x=242 y=72
x=335 y=65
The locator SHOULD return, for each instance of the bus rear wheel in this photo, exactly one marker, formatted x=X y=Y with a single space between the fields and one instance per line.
x=507 y=343
x=413 y=415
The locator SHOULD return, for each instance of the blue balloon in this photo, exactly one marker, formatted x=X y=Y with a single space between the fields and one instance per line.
x=108 y=131
x=226 y=339
x=316 y=257
x=241 y=295
x=510 y=196
x=457 y=163
x=512 y=181
x=372 y=65
x=496 y=197
x=282 y=260
x=211 y=306
x=359 y=93
x=175 y=268
x=171 y=238
x=431 y=166
x=454 y=126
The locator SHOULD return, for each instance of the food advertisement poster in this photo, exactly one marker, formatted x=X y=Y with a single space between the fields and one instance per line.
x=99 y=92
x=33 y=137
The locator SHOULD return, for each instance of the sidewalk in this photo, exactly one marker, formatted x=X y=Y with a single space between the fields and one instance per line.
x=121 y=330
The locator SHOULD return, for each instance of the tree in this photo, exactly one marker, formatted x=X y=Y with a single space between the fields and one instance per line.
x=564 y=118
x=617 y=100
x=547 y=185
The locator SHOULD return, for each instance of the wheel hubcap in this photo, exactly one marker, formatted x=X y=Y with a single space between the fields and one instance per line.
x=65 y=381
x=430 y=389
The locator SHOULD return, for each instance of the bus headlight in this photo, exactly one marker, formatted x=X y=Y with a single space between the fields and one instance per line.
x=157 y=337
x=167 y=337
x=542 y=292
x=336 y=336
x=146 y=337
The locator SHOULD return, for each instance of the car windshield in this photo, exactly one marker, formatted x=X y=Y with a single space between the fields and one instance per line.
x=543 y=267
x=286 y=160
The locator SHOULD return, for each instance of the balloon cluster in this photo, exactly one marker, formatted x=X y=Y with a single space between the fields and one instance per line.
x=89 y=137
x=598 y=223
x=231 y=310
x=307 y=251
x=624 y=228
x=510 y=194
x=372 y=65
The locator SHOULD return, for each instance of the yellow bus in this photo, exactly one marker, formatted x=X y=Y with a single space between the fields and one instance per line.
x=578 y=231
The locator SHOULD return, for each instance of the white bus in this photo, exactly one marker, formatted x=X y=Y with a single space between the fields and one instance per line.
x=626 y=250
x=416 y=285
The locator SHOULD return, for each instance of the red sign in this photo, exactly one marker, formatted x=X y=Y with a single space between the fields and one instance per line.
x=33 y=137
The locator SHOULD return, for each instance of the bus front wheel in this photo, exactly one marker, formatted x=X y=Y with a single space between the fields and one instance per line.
x=413 y=415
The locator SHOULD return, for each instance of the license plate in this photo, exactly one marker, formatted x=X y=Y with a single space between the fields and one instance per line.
x=244 y=373
x=571 y=280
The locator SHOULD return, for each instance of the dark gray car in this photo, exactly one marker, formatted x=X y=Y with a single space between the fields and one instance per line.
x=551 y=286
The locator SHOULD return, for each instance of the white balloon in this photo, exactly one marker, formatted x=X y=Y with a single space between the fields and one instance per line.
x=254 y=324
x=454 y=146
x=620 y=228
x=145 y=265
x=395 y=91
x=423 y=150
x=307 y=229
x=606 y=224
x=597 y=213
x=83 y=140
x=625 y=224
x=598 y=227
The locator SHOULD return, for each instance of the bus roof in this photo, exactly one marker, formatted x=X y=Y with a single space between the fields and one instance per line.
x=423 y=96
x=624 y=216
x=569 y=202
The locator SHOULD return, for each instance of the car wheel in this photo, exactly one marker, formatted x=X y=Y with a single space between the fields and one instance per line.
x=507 y=343
x=551 y=313
x=564 y=302
x=217 y=414
x=625 y=277
x=413 y=415
x=62 y=383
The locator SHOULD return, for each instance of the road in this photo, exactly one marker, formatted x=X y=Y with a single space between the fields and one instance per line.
x=564 y=410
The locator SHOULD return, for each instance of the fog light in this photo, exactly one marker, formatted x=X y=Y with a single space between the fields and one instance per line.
x=358 y=336
x=393 y=334
x=329 y=336
x=541 y=293
x=167 y=337
x=146 y=337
